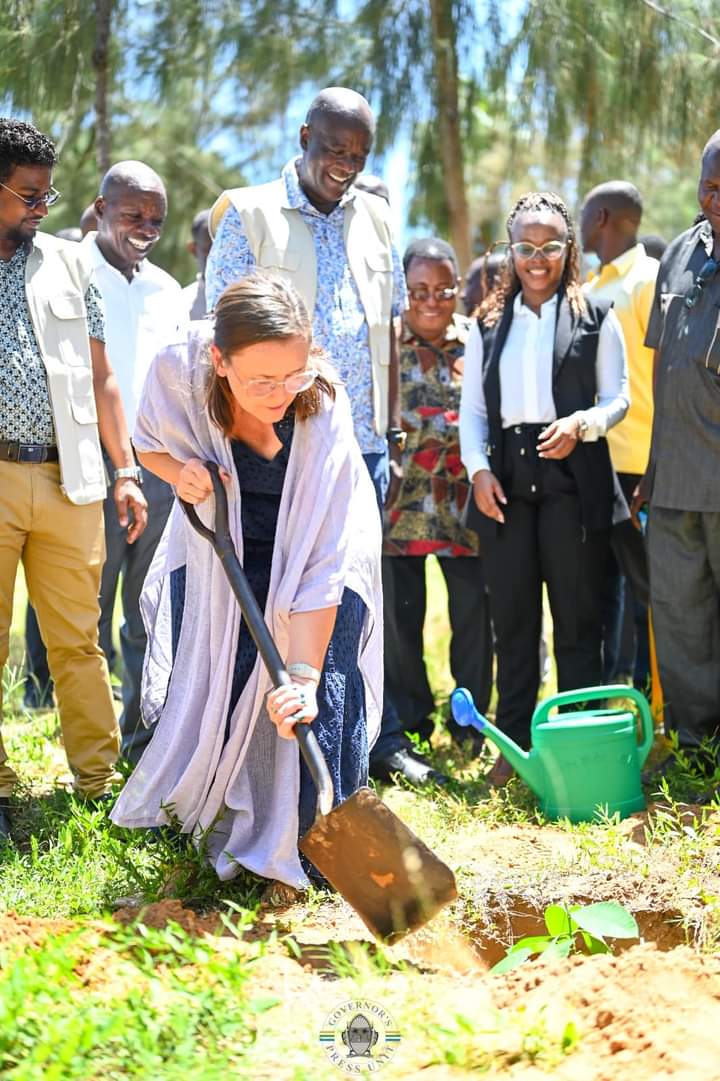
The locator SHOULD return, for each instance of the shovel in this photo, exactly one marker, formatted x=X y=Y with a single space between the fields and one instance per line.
x=392 y=880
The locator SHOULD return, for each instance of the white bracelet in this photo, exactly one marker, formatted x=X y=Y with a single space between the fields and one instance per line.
x=299 y=668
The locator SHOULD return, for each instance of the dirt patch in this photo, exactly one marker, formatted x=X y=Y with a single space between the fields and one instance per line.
x=643 y=1014
x=28 y=932
x=160 y=913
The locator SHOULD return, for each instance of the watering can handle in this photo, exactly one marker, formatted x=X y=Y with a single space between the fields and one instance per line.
x=225 y=549
x=588 y=694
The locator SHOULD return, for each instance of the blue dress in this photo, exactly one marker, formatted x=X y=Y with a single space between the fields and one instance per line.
x=340 y=725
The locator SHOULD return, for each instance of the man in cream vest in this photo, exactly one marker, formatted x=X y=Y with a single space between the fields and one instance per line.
x=58 y=395
x=334 y=243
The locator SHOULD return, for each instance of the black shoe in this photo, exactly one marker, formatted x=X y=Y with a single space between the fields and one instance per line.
x=34 y=698
x=104 y=802
x=4 y=819
x=409 y=765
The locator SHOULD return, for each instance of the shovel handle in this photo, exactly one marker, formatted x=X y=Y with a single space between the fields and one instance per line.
x=225 y=549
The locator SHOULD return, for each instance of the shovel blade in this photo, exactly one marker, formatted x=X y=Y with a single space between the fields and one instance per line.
x=392 y=880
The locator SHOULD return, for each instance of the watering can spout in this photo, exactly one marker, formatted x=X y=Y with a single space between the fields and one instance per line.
x=526 y=765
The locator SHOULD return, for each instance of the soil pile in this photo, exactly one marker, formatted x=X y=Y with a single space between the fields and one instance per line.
x=645 y=1014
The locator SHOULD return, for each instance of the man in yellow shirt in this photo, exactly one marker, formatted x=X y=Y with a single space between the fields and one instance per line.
x=609 y=223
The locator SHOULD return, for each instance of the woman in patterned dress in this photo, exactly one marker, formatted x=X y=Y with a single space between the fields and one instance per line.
x=428 y=516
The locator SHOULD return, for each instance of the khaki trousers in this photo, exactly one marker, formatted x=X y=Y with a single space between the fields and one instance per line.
x=62 y=549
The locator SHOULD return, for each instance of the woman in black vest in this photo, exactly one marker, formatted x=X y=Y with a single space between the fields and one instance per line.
x=545 y=378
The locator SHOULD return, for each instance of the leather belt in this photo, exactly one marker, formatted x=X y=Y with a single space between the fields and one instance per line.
x=37 y=453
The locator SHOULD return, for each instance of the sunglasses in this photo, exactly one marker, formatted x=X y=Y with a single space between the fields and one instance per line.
x=707 y=271
x=49 y=198
x=294 y=384
x=552 y=249
x=422 y=293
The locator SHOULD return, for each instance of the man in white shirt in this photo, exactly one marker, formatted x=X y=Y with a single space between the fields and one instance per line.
x=144 y=311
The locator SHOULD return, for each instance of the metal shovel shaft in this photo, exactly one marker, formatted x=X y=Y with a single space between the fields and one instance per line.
x=392 y=880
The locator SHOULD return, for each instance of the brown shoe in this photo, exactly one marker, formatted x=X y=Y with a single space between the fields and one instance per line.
x=500 y=773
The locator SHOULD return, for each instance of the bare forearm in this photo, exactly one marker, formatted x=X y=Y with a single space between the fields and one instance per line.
x=111 y=423
x=163 y=465
x=310 y=634
x=111 y=416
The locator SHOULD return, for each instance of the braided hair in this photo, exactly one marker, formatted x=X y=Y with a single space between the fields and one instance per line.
x=507 y=283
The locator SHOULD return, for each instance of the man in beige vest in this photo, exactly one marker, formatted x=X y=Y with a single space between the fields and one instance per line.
x=57 y=395
x=334 y=243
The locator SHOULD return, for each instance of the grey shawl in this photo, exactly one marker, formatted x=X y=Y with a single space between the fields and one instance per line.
x=242 y=796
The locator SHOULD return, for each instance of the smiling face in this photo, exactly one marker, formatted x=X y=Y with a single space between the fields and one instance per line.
x=539 y=276
x=335 y=149
x=18 y=222
x=130 y=222
x=273 y=361
x=430 y=316
x=709 y=189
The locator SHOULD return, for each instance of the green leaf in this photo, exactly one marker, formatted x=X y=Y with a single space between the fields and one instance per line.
x=593 y=944
x=560 y=948
x=534 y=943
x=557 y=920
x=510 y=961
x=607 y=919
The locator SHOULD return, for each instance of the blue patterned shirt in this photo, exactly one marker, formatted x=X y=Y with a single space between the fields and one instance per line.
x=25 y=412
x=339 y=324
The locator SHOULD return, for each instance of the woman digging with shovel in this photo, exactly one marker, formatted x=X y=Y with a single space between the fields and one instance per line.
x=251 y=395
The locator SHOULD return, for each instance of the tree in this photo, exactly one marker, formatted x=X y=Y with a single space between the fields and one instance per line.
x=625 y=75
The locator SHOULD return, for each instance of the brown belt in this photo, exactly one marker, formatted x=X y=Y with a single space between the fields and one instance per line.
x=11 y=451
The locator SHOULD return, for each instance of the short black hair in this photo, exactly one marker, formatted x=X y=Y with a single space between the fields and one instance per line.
x=200 y=224
x=22 y=144
x=430 y=247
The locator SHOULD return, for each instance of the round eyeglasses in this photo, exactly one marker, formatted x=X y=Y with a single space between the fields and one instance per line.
x=49 y=198
x=423 y=293
x=294 y=384
x=552 y=249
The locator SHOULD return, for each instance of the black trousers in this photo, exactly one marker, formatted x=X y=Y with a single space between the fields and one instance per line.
x=542 y=540
x=630 y=563
x=470 y=636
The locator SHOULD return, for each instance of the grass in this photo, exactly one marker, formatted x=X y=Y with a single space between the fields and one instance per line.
x=88 y=998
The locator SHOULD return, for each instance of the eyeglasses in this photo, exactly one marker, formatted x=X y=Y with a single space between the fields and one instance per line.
x=552 y=249
x=49 y=198
x=422 y=293
x=706 y=272
x=294 y=384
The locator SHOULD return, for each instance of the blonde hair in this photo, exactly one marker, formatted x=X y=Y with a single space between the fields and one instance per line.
x=261 y=308
x=507 y=283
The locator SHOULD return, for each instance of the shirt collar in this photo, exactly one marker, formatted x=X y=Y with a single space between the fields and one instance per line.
x=546 y=309
x=619 y=266
x=100 y=262
x=457 y=331
x=296 y=197
x=705 y=236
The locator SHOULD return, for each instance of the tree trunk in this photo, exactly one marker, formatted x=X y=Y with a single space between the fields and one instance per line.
x=445 y=64
x=101 y=67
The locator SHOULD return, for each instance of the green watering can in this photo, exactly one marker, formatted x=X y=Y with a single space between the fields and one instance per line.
x=580 y=762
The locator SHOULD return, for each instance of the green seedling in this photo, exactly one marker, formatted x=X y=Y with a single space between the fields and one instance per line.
x=569 y=928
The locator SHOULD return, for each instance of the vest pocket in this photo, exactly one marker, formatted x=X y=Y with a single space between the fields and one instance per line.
x=270 y=257
x=69 y=310
x=379 y=261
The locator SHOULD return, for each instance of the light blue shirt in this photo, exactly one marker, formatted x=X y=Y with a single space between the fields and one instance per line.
x=339 y=323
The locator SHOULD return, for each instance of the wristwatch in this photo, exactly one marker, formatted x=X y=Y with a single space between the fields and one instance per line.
x=397 y=437
x=129 y=472
x=582 y=428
